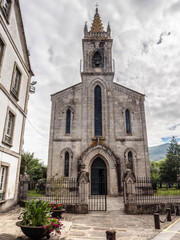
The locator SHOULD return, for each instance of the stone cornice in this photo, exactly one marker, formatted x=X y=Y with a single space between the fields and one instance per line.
x=67 y=140
x=10 y=152
x=97 y=73
x=124 y=139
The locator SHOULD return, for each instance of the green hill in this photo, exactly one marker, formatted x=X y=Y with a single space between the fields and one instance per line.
x=158 y=152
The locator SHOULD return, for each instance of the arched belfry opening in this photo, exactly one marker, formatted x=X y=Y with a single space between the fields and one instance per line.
x=98 y=177
x=97 y=59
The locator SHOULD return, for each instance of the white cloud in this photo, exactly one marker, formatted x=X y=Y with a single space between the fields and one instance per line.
x=54 y=32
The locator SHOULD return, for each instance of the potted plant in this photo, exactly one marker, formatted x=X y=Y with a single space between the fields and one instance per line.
x=57 y=209
x=37 y=221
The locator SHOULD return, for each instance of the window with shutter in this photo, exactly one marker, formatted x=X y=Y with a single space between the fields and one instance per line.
x=3 y=171
x=9 y=127
x=16 y=80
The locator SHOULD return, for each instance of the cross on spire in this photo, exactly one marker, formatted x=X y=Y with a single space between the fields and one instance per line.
x=96 y=5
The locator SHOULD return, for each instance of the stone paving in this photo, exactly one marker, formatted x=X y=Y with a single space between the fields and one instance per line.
x=91 y=226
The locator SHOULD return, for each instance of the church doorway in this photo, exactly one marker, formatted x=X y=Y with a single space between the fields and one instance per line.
x=98 y=177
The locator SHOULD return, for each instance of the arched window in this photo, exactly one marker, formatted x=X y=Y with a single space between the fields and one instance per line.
x=97 y=111
x=128 y=123
x=97 y=60
x=66 y=165
x=130 y=160
x=68 y=121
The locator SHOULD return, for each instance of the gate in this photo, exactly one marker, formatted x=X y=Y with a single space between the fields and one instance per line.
x=97 y=202
x=98 y=185
x=98 y=197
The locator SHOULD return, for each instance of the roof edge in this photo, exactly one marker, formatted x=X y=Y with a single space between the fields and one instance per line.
x=25 y=42
x=130 y=89
x=52 y=95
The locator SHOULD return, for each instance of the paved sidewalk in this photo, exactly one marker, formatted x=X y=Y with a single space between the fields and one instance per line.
x=172 y=232
x=91 y=226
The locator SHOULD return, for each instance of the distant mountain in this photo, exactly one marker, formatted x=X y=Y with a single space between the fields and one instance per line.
x=158 y=152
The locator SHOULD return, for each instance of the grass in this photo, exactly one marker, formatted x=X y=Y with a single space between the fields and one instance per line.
x=167 y=192
x=33 y=193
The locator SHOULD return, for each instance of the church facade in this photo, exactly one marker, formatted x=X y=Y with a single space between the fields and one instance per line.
x=98 y=123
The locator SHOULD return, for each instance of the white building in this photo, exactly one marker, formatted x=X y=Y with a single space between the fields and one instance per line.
x=98 y=123
x=15 y=77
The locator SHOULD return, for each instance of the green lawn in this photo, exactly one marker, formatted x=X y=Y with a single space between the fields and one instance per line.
x=167 y=192
x=33 y=193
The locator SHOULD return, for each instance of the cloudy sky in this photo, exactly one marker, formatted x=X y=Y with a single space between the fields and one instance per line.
x=146 y=50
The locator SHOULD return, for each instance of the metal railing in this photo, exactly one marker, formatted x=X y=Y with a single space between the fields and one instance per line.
x=64 y=191
x=147 y=191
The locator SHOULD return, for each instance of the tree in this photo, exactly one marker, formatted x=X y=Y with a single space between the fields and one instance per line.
x=35 y=168
x=170 y=167
x=155 y=168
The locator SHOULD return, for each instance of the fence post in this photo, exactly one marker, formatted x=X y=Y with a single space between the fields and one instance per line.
x=110 y=235
x=177 y=210
x=156 y=221
x=168 y=211
x=83 y=190
x=130 y=189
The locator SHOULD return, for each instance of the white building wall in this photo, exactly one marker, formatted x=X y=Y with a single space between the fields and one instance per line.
x=18 y=122
x=12 y=34
x=12 y=174
x=10 y=57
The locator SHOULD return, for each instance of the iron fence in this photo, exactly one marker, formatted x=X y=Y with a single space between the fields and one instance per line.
x=64 y=191
x=148 y=191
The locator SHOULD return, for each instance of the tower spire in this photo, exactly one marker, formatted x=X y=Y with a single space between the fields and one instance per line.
x=97 y=25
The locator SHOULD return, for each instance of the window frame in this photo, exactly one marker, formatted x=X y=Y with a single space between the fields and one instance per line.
x=68 y=121
x=3 y=52
x=98 y=118
x=6 y=166
x=3 y=8
x=5 y=135
x=66 y=163
x=16 y=92
x=130 y=162
x=126 y=121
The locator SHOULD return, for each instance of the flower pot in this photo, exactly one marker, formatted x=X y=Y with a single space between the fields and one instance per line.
x=57 y=213
x=33 y=232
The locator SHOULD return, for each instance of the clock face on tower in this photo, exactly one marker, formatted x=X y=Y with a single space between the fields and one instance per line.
x=97 y=60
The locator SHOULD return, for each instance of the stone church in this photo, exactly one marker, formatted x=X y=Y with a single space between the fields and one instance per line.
x=97 y=123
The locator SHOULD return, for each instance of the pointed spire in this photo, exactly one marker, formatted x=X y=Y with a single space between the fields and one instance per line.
x=108 y=29
x=85 y=29
x=97 y=25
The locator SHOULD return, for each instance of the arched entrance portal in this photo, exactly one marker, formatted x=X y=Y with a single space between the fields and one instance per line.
x=98 y=177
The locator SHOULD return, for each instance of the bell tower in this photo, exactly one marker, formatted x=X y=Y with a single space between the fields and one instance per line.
x=97 y=49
